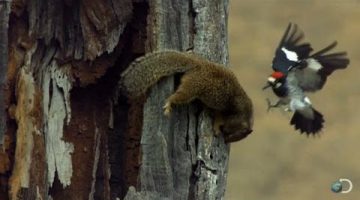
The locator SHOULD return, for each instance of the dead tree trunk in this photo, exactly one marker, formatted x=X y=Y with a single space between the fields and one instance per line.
x=4 y=22
x=71 y=135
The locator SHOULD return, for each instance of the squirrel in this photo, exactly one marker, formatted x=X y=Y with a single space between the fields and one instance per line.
x=213 y=84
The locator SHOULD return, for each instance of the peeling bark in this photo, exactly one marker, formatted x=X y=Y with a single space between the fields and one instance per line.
x=27 y=128
x=58 y=152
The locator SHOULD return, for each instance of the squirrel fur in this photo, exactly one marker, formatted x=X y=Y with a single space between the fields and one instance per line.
x=214 y=85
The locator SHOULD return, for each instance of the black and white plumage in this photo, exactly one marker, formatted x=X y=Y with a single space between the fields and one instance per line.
x=306 y=119
x=313 y=71
x=296 y=71
x=290 y=51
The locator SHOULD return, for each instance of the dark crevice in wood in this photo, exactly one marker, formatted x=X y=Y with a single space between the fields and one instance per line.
x=53 y=189
x=192 y=28
x=192 y=186
x=124 y=139
x=102 y=182
x=117 y=149
x=193 y=179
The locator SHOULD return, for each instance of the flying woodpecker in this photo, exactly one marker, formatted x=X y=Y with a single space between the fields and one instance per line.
x=297 y=71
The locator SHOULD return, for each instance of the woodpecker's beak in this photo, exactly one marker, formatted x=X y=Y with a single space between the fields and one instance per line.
x=270 y=81
x=266 y=86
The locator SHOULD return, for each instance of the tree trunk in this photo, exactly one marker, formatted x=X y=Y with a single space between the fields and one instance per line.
x=71 y=135
x=4 y=22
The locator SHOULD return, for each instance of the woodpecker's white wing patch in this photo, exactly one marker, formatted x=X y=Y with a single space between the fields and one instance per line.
x=314 y=64
x=290 y=55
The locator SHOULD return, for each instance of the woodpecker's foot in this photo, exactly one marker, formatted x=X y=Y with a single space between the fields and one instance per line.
x=271 y=105
x=167 y=109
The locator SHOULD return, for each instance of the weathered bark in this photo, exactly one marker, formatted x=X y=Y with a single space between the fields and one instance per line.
x=72 y=136
x=4 y=22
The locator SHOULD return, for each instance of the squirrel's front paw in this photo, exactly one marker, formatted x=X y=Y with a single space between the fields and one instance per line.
x=167 y=109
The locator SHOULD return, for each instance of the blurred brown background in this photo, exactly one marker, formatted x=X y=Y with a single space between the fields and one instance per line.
x=275 y=162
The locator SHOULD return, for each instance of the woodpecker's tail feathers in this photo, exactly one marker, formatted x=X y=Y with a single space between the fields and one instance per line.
x=306 y=125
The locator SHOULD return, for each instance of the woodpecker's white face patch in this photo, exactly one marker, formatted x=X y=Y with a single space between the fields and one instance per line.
x=290 y=55
x=314 y=64
x=271 y=79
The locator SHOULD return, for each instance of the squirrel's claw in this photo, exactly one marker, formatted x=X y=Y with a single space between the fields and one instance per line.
x=167 y=109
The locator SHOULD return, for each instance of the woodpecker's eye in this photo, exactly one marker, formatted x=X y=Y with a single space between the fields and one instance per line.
x=277 y=85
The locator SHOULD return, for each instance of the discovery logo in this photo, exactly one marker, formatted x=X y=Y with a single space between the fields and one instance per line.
x=343 y=185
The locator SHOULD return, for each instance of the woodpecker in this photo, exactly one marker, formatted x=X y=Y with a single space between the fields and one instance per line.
x=297 y=71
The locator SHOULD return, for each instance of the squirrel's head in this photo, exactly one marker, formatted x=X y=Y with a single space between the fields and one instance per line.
x=239 y=125
x=236 y=129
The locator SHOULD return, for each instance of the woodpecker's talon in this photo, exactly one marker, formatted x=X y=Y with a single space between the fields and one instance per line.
x=268 y=104
x=287 y=109
x=271 y=105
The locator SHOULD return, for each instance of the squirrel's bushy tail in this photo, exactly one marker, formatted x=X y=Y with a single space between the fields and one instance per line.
x=145 y=71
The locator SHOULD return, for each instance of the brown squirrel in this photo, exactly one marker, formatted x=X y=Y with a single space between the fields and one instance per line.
x=211 y=83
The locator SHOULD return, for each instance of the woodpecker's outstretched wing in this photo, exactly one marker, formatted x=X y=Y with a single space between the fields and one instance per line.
x=290 y=51
x=313 y=71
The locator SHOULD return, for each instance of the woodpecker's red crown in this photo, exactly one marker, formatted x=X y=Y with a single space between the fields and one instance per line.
x=277 y=75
